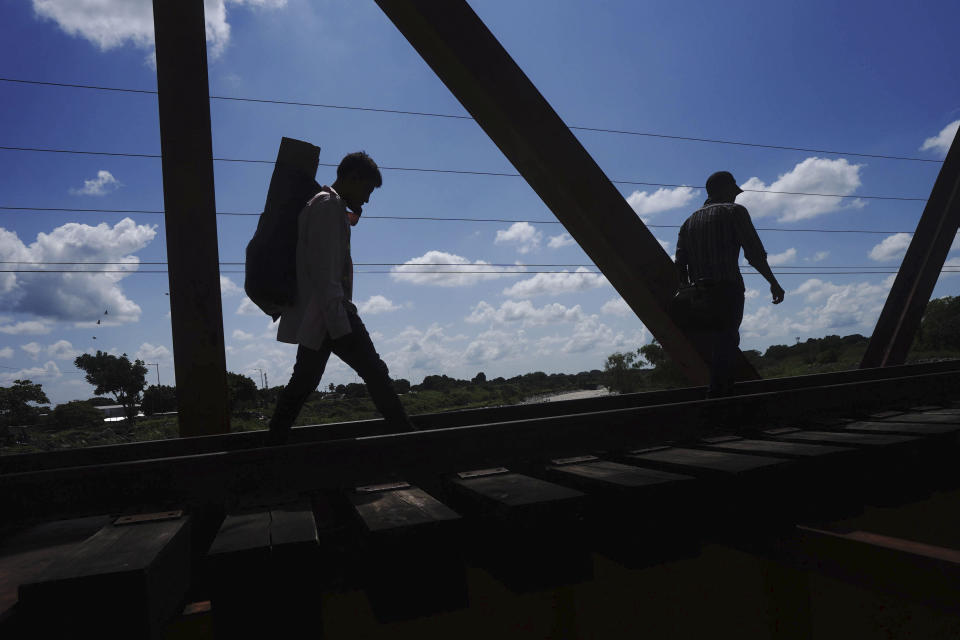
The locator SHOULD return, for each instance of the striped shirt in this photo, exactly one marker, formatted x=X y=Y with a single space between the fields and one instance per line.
x=710 y=240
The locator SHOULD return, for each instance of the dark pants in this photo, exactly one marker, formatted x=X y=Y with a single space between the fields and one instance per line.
x=720 y=345
x=355 y=349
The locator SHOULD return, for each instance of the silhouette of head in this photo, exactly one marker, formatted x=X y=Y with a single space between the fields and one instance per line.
x=357 y=177
x=721 y=186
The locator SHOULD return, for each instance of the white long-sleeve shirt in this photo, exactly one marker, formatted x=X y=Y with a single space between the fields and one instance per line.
x=324 y=274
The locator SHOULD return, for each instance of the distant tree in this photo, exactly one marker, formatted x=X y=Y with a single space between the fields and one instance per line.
x=480 y=378
x=653 y=353
x=99 y=402
x=665 y=373
x=356 y=390
x=119 y=377
x=159 y=399
x=340 y=389
x=15 y=407
x=401 y=385
x=439 y=383
x=940 y=327
x=754 y=357
x=621 y=374
x=332 y=388
x=241 y=392
x=77 y=414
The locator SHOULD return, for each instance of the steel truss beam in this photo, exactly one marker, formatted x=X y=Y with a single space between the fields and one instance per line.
x=190 y=217
x=918 y=274
x=463 y=53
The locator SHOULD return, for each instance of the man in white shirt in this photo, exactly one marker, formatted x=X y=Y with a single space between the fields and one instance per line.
x=324 y=320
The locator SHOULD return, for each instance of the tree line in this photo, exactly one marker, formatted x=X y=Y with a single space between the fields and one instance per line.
x=650 y=367
x=118 y=380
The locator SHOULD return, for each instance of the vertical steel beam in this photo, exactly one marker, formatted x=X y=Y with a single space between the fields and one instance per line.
x=190 y=217
x=463 y=53
x=918 y=274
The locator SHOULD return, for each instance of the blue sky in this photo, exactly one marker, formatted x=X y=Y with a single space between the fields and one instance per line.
x=864 y=77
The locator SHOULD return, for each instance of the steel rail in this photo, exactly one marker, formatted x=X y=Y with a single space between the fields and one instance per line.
x=106 y=454
x=225 y=476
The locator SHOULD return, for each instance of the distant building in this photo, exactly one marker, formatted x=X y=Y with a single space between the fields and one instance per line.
x=114 y=412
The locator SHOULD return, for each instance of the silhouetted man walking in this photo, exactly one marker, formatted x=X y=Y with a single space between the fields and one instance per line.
x=324 y=320
x=708 y=254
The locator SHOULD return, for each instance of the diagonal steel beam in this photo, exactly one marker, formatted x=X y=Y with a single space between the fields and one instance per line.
x=190 y=222
x=463 y=53
x=921 y=267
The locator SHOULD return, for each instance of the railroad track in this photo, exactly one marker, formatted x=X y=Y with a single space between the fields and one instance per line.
x=236 y=441
x=527 y=499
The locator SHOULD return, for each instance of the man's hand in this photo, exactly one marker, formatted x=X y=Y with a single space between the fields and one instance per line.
x=777 y=292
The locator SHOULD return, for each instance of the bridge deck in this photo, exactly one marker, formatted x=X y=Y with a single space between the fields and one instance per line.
x=530 y=501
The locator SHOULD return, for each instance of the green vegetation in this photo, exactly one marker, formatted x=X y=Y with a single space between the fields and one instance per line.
x=73 y=424
x=119 y=377
x=15 y=407
x=76 y=414
x=159 y=399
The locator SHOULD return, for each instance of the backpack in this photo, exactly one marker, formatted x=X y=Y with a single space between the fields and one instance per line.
x=270 y=277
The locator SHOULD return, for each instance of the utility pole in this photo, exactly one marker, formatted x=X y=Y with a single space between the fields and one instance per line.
x=263 y=382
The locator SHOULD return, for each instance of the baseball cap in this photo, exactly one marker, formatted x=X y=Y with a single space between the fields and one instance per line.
x=720 y=181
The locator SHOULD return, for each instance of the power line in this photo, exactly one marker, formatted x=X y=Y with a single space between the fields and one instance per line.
x=464 y=172
x=9 y=209
x=512 y=266
x=646 y=134
x=500 y=272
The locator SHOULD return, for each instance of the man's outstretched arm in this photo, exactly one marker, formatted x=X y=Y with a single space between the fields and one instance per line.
x=754 y=252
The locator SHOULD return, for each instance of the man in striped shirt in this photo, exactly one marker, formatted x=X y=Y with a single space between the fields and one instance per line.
x=708 y=254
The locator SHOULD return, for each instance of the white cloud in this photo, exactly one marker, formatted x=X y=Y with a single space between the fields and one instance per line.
x=560 y=241
x=556 y=283
x=521 y=234
x=785 y=257
x=616 y=307
x=663 y=199
x=48 y=371
x=377 y=304
x=495 y=345
x=442 y=269
x=239 y=334
x=750 y=294
x=891 y=248
x=831 y=308
x=813 y=175
x=6 y=352
x=62 y=350
x=228 y=287
x=149 y=352
x=77 y=297
x=941 y=142
x=423 y=351
x=591 y=335
x=99 y=186
x=248 y=308
x=524 y=312
x=33 y=349
x=819 y=256
x=30 y=327
x=113 y=23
